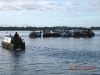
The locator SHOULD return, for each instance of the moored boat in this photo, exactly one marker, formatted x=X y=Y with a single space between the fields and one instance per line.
x=86 y=32
x=65 y=33
x=34 y=34
x=50 y=33
x=76 y=33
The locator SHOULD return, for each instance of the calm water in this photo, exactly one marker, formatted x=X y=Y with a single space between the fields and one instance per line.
x=51 y=56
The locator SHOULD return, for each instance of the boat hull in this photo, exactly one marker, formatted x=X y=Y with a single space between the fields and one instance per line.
x=13 y=46
x=52 y=35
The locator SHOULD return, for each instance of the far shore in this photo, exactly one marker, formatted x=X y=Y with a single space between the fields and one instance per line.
x=43 y=28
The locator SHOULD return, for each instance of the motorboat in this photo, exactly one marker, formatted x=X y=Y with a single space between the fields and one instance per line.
x=50 y=33
x=34 y=34
x=86 y=32
x=65 y=33
x=75 y=33
x=11 y=44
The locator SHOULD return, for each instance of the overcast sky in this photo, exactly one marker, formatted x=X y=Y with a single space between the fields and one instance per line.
x=40 y=13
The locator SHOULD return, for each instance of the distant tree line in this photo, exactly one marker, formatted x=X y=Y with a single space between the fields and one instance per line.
x=43 y=28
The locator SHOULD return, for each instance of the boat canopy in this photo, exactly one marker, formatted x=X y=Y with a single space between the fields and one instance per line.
x=7 y=39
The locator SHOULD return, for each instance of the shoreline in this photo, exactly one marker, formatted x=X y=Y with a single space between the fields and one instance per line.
x=43 y=28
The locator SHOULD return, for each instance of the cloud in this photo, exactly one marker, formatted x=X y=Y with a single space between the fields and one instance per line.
x=94 y=3
x=38 y=6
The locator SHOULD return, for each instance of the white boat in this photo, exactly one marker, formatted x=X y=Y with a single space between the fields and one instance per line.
x=9 y=43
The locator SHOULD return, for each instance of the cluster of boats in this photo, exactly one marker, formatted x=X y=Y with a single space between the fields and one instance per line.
x=13 y=43
x=87 y=32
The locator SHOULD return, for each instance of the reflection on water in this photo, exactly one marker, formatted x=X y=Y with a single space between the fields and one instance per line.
x=11 y=62
x=51 y=56
x=17 y=58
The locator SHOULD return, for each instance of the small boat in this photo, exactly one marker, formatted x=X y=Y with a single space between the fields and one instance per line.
x=75 y=33
x=51 y=33
x=65 y=33
x=87 y=32
x=34 y=34
x=10 y=44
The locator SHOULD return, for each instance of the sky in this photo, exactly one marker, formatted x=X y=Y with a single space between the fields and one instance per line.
x=48 y=13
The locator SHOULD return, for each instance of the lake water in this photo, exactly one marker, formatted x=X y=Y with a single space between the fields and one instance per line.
x=52 y=56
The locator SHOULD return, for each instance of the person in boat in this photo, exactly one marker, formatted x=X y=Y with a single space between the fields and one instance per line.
x=16 y=36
